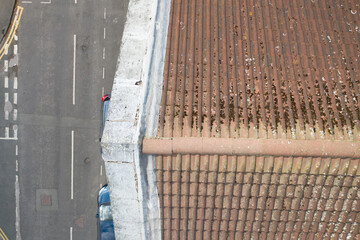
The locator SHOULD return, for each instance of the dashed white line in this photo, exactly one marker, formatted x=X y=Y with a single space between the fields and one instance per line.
x=15 y=129
x=15 y=98
x=17 y=165
x=104 y=33
x=6 y=82
x=101 y=170
x=6 y=65
x=103 y=53
x=7 y=138
x=6 y=115
x=6 y=111
x=72 y=164
x=103 y=73
x=6 y=132
x=7 y=49
x=26 y=2
x=16 y=150
x=15 y=114
x=74 y=68
x=15 y=83
x=102 y=91
x=71 y=231
x=48 y=2
x=6 y=97
x=104 y=13
x=15 y=49
x=75 y=1
x=15 y=36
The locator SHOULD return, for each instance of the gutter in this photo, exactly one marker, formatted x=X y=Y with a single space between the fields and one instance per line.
x=245 y=146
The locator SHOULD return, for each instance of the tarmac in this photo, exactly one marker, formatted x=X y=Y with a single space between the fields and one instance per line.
x=6 y=11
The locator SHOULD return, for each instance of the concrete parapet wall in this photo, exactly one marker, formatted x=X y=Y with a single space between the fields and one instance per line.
x=133 y=113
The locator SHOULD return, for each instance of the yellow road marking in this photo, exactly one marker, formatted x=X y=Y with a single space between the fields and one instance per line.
x=2 y=234
x=14 y=26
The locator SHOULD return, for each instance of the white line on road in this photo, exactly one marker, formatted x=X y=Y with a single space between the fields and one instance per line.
x=26 y=2
x=15 y=114
x=17 y=208
x=15 y=98
x=7 y=138
x=6 y=111
x=15 y=129
x=72 y=164
x=101 y=170
x=15 y=83
x=15 y=49
x=6 y=82
x=103 y=73
x=6 y=97
x=15 y=36
x=17 y=165
x=75 y=1
x=104 y=33
x=71 y=230
x=104 y=13
x=74 y=68
x=6 y=132
x=48 y=2
x=16 y=150
x=6 y=115
x=102 y=91
x=6 y=65
x=103 y=53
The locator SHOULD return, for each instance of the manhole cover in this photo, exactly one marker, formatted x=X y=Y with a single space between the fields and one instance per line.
x=46 y=199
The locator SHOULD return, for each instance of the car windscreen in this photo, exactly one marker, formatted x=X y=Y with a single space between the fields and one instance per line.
x=105 y=213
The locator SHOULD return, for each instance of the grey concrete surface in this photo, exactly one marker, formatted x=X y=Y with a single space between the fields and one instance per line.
x=6 y=10
x=133 y=112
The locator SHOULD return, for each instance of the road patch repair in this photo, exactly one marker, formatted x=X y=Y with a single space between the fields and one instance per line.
x=8 y=36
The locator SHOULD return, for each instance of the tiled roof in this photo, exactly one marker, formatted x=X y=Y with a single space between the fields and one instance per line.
x=260 y=69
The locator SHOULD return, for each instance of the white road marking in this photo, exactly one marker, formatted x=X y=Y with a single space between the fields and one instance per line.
x=74 y=68
x=103 y=53
x=15 y=49
x=6 y=65
x=103 y=73
x=9 y=139
x=101 y=170
x=6 y=82
x=104 y=13
x=26 y=2
x=100 y=185
x=15 y=98
x=17 y=208
x=6 y=111
x=7 y=49
x=72 y=164
x=16 y=150
x=6 y=115
x=15 y=114
x=71 y=230
x=104 y=33
x=48 y=2
x=17 y=165
x=102 y=91
x=6 y=97
x=15 y=36
x=15 y=83
x=15 y=129
x=6 y=132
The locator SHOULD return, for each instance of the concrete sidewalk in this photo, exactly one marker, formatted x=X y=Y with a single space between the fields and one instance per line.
x=6 y=10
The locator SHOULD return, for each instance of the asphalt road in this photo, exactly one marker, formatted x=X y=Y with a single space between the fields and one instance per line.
x=67 y=55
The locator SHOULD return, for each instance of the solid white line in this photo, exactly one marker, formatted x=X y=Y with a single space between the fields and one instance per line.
x=101 y=170
x=6 y=132
x=6 y=82
x=103 y=53
x=74 y=68
x=71 y=230
x=104 y=33
x=103 y=73
x=6 y=65
x=15 y=98
x=72 y=164
x=104 y=13
x=15 y=49
x=16 y=150
x=15 y=83
x=17 y=208
x=7 y=138
x=15 y=114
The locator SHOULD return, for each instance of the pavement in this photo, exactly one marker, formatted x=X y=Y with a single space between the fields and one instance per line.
x=6 y=10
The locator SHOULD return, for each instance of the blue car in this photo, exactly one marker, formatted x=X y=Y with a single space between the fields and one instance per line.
x=104 y=216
